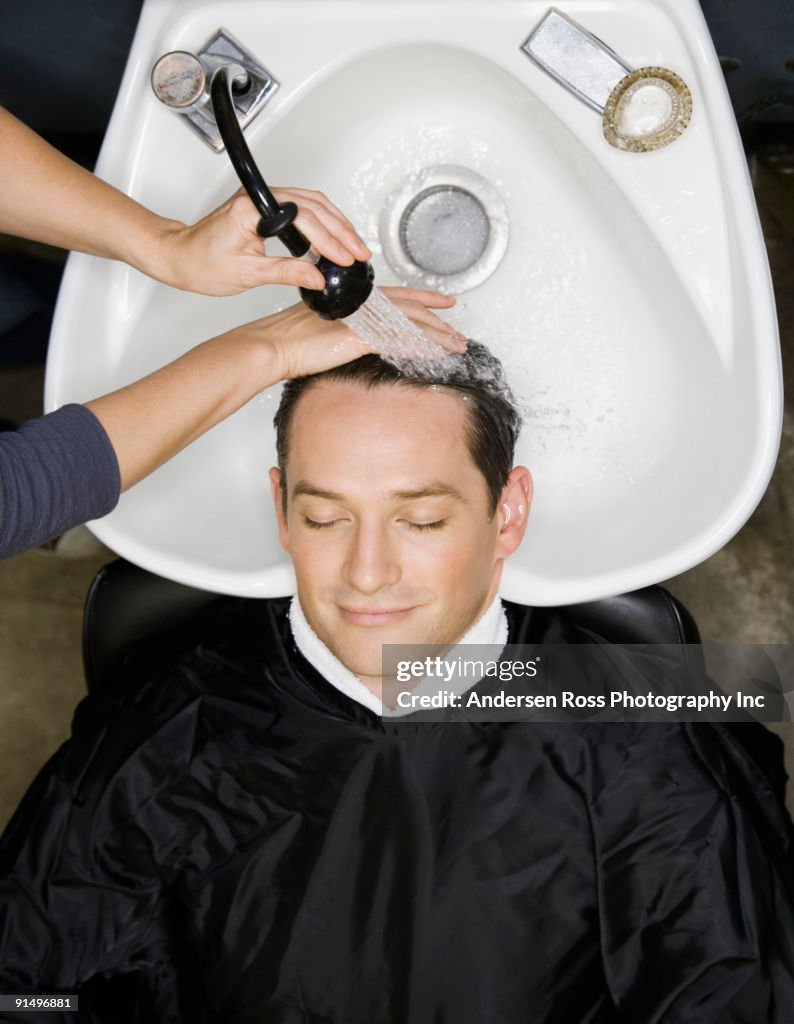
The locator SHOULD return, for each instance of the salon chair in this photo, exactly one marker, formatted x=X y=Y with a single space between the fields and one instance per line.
x=129 y=609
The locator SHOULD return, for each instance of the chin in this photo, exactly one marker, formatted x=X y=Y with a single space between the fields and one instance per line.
x=363 y=654
x=366 y=659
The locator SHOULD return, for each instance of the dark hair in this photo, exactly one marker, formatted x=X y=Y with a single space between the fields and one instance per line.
x=492 y=422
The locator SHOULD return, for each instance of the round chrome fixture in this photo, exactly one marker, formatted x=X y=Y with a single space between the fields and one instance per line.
x=179 y=80
x=446 y=228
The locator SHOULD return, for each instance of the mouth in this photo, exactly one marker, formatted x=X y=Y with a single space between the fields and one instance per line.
x=369 y=617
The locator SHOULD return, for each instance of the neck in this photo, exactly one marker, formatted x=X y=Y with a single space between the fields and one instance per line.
x=490 y=628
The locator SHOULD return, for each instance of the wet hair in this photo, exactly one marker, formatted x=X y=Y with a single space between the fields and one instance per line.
x=492 y=421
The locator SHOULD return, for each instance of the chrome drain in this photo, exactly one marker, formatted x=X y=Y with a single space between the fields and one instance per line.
x=445 y=228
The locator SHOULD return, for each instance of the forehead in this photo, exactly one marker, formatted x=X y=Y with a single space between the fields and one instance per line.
x=345 y=434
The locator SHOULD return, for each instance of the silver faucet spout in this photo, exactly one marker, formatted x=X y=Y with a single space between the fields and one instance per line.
x=578 y=60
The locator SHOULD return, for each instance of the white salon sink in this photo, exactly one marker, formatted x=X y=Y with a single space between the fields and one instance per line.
x=632 y=309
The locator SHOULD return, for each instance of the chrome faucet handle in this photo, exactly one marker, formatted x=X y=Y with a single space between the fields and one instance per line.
x=580 y=61
x=181 y=80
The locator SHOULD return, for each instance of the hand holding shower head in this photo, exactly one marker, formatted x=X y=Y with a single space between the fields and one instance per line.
x=346 y=288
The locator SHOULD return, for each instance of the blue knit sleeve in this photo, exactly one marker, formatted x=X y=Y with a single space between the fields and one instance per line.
x=55 y=472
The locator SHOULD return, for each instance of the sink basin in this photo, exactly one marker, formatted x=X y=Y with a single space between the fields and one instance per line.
x=632 y=306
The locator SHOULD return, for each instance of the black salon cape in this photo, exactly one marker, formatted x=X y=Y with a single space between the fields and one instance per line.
x=231 y=839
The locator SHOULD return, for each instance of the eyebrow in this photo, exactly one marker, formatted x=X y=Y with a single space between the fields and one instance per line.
x=304 y=489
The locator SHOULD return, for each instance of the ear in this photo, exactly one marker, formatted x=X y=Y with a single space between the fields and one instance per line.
x=513 y=511
x=281 y=518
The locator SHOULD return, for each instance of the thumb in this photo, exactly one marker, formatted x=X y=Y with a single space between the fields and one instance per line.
x=289 y=270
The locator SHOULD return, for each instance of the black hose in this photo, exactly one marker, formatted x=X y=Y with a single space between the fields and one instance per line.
x=276 y=219
x=346 y=288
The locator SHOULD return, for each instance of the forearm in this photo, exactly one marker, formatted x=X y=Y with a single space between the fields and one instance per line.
x=55 y=472
x=150 y=421
x=49 y=198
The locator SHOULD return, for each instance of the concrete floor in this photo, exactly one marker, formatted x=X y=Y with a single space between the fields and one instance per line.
x=743 y=594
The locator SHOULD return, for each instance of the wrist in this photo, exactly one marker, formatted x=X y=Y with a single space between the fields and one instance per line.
x=156 y=251
x=254 y=350
x=266 y=360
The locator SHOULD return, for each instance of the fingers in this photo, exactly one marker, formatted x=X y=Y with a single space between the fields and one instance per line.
x=432 y=300
x=284 y=270
x=326 y=227
x=423 y=316
x=454 y=343
x=435 y=329
x=416 y=303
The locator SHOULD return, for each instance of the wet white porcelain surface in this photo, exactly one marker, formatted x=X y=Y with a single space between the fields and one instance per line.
x=633 y=308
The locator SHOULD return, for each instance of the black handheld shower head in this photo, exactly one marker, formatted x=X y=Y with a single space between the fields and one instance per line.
x=346 y=288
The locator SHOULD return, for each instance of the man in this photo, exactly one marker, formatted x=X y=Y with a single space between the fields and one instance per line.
x=241 y=836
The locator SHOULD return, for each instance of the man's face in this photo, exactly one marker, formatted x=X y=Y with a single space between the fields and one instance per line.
x=387 y=519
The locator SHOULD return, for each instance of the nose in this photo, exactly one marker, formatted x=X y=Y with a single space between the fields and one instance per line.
x=372 y=561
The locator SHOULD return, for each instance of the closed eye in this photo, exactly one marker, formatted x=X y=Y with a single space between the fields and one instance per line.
x=437 y=524
x=319 y=524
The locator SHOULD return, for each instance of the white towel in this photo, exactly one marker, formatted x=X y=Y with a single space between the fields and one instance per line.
x=490 y=628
